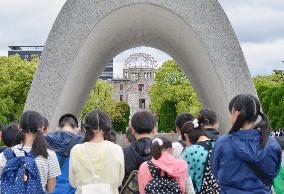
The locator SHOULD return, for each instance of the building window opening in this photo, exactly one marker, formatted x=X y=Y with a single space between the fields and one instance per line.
x=121 y=98
x=142 y=103
x=141 y=87
x=121 y=86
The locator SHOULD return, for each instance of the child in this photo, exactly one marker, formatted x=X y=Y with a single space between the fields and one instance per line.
x=247 y=160
x=197 y=156
x=165 y=164
x=9 y=135
x=96 y=160
x=143 y=125
x=30 y=140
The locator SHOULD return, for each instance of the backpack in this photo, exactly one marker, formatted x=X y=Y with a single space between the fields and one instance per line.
x=20 y=174
x=209 y=182
x=161 y=184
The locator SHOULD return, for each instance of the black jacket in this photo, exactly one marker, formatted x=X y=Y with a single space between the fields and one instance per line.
x=135 y=154
x=212 y=133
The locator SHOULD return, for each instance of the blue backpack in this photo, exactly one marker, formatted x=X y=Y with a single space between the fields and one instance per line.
x=20 y=174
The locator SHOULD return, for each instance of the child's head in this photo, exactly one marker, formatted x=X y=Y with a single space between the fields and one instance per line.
x=191 y=131
x=160 y=145
x=181 y=119
x=69 y=122
x=9 y=135
x=245 y=111
x=143 y=122
x=129 y=137
x=210 y=118
x=31 y=123
x=97 y=121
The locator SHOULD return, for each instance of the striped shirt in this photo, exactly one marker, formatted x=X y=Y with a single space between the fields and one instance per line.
x=48 y=168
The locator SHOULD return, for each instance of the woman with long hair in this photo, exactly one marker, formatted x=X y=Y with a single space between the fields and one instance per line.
x=97 y=161
x=247 y=160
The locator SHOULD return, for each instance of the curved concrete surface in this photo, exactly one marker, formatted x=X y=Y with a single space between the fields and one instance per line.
x=87 y=34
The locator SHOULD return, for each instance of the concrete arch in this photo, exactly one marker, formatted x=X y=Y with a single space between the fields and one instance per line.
x=87 y=34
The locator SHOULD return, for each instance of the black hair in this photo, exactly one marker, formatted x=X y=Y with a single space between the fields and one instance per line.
x=129 y=135
x=183 y=118
x=209 y=115
x=113 y=136
x=9 y=135
x=249 y=107
x=194 y=133
x=45 y=122
x=143 y=122
x=156 y=148
x=32 y=122
x=97 y=120
x=68 y=119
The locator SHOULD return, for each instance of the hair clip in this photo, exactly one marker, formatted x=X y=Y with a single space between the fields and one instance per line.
x=195 y=123
x=160 y=142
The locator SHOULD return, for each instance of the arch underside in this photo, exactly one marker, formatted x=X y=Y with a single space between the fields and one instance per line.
x=86 y=35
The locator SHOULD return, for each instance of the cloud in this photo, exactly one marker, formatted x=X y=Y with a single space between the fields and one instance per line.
x=26 y=22
x=256 y=20
x=263 y=58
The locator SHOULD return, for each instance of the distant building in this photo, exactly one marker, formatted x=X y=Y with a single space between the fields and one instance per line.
x=138 y=77
x=28 y=52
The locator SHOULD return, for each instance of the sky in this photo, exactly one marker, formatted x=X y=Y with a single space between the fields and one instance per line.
x=258 y=25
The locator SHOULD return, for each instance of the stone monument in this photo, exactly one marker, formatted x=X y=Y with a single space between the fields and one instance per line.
x=88 y=34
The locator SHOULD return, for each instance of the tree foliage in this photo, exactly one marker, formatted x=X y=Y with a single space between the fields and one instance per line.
x=167 y=116
x=270 y=90
x=172 y=85
x=16 y=76
x=101 y=98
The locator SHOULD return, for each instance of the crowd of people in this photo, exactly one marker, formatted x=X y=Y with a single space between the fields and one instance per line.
x=88 y=160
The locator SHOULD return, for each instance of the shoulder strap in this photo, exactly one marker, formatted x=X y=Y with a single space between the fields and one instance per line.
x=183 y=145
x=66 y=152
x=154 y=171
x=8 y=153
x=208 y=147
x=259 y=174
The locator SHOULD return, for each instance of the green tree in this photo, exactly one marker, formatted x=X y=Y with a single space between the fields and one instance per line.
x=172 y=85
x=270 y=90
x=100 y=98
x=167 y=116
x=16 y=76
x=121 y=117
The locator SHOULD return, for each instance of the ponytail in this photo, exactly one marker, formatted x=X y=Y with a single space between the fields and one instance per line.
x=89 y=134
x=39 y=147
x=239 y=122
x=156 y=150
x=264 y=128
x=158 y=145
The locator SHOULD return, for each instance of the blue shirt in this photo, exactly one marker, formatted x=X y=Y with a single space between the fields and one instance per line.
x=229 y=157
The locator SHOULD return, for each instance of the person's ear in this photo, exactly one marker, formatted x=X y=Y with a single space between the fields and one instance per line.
x=154 y=131
x=45 y=130
x=177 y=129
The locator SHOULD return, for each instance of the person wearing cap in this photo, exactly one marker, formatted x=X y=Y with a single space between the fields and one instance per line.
x=62 y=141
